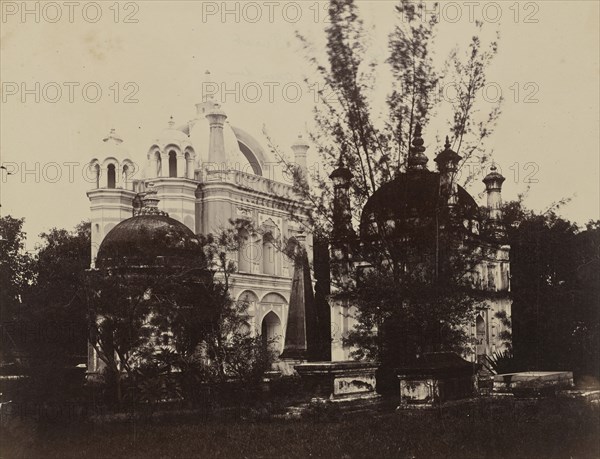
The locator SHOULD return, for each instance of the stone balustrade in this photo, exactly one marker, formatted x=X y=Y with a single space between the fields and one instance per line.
x=253 y=182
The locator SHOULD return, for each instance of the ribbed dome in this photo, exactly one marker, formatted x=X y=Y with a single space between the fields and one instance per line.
x=411 y=199
x=149 y=240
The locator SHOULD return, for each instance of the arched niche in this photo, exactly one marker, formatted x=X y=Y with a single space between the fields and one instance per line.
x=271 y=330
x=273 y=298
x=111 y=176
x=249 y=251
x=269 y=255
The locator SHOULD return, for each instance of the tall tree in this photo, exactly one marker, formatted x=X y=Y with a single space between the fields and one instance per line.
x=348 y=124
x=375 y=148
x=55 y=300
x=15 y=275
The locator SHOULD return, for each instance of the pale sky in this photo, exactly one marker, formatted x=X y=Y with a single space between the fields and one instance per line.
x=546 y=68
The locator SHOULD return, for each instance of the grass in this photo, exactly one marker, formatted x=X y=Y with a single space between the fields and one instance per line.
x=484 y=428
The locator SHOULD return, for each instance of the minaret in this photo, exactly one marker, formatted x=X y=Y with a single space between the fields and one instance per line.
x=493 y=185
x=300 y=147
x=216 y=146
x=110 y=200
x=417 y=161
x=447 y=163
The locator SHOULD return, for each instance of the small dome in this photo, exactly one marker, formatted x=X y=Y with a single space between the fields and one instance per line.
x=172 y=135
x=410 y=199
x=149 y=240
x=112 y=147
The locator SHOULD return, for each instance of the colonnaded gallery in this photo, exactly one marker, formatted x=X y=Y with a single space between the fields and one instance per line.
x=207 y=172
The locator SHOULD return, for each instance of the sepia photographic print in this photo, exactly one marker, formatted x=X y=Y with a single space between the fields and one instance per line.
x=299 y=229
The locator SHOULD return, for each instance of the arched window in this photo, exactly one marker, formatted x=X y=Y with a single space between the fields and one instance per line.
x=172 y=164
x=111 y=176
x=268 y=255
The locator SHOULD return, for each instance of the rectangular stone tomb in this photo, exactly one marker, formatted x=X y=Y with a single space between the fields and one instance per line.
x=529 y=383
x=435 y=378
x=348 y=380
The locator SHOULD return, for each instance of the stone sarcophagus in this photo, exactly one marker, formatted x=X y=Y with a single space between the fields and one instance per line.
x=338 y=381
x=435 y=378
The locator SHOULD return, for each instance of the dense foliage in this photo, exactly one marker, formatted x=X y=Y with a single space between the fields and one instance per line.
x=162 y=333
x=555 y=272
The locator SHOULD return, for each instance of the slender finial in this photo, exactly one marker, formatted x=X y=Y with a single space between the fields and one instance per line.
x=171 y=122
x=418 y=141
x=341 y=171
x=416 y=157
x=447 y=145
x=150 y=202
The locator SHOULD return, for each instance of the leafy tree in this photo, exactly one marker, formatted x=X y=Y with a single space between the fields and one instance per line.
x=15 y=266
x=146 y=323
x=406 y=306
x=55 y=300
x=555 y=288
x=49 y=331
x=423 y=304
x=229 y=342
x=16 y=272
x=132 y=315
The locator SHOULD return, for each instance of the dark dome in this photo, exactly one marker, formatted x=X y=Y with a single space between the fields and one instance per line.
x=411 y=199
x=149 y=240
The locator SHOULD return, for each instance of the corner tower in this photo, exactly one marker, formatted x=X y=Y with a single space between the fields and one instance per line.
x=111 y=199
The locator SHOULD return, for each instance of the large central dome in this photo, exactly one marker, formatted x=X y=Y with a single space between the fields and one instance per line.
x=149 y=240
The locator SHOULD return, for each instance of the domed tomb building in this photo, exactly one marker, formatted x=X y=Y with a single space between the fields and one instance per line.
x=205 y=173
x=142 y=261
x=415 y=222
